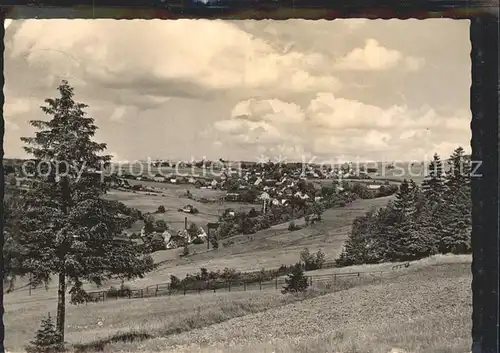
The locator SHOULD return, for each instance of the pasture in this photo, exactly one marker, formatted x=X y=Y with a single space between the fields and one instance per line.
x=421 y=309
x=173 y=197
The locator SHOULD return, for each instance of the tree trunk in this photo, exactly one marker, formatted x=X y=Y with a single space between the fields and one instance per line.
x=61 y=306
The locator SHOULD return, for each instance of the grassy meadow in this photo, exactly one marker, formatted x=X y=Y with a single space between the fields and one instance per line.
x=424 y=308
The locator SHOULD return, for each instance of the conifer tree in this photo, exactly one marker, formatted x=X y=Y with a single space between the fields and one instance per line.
x=458 y=176
x=296 y=280
x=455 y=219
x=47 y=338
x=407 y=240
x=67 y=229
x=433 y=184
x=405 y=205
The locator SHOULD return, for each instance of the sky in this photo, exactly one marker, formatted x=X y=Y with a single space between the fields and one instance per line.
x=343 y=90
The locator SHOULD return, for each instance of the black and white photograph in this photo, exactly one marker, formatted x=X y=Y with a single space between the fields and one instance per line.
x=217 y=186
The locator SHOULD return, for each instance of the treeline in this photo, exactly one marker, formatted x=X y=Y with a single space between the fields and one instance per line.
x=422 y=221
x=213 y=280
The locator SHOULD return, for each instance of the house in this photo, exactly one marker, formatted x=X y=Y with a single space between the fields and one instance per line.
x=264 y=196
x=185 y=235
x=188 y=209
x=258 y=181
x=214 y=183
x=166 y=237
x=159 y=179
x=191 y=180
x=301 y=196
x=202 y=234
x=374 y=186
x=232 y=196
x=173 y=180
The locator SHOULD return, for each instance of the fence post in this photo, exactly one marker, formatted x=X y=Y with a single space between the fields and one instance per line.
x=156 y=291
x=359 y=273
x=184 y=288
x=260 y=285
x=129 y=294
x=276 y=283
x=142 y=294
x=215 y=286
x=229 y=285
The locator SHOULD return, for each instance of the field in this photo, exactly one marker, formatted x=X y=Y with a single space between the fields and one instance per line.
x=269 y=248
x=412 y=309
x=172 y=197
x=425 y=308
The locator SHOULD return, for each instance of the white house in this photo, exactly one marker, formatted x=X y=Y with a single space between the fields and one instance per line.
x=374 y=186
x=264 y=196
x=166 y=237
x=191 y=180
x=201 y=233
x=159 y=179
x=173 y=181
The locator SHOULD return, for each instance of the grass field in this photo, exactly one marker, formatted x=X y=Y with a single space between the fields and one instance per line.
x=267 y=249
x=425 y=308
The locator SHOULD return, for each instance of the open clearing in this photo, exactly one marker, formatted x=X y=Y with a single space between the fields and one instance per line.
x=425 y=308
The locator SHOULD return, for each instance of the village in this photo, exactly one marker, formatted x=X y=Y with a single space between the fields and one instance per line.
x=259 y=187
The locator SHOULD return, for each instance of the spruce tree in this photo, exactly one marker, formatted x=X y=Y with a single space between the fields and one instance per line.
x=455 y=217
x=458 y=176
x=405 y=203
x=47 y=338
x=67 y=229
x=433 y=184
x=296 y=280
x=407 y=239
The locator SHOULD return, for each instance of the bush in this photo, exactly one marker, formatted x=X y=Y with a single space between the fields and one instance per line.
x=185 y=250
x=292 y=226
x=122 y=292
x=312 y=261
x=161 y=209
x=175 y=282
x=198 y=241
x=47 y=339
x=161 y=225
x=296 y=281
x=157 y=243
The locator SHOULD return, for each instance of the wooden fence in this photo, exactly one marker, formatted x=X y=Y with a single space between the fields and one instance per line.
x=217 y=286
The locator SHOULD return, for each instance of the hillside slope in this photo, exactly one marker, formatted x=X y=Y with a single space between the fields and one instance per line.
x=425 y=310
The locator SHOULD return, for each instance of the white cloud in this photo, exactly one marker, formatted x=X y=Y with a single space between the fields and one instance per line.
x=272 y=110
x=330 y=125
x=17 y=106
x=118 y=114
x=355 y=23
x=183 y=58
x=373 y=56
x=11 y=126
